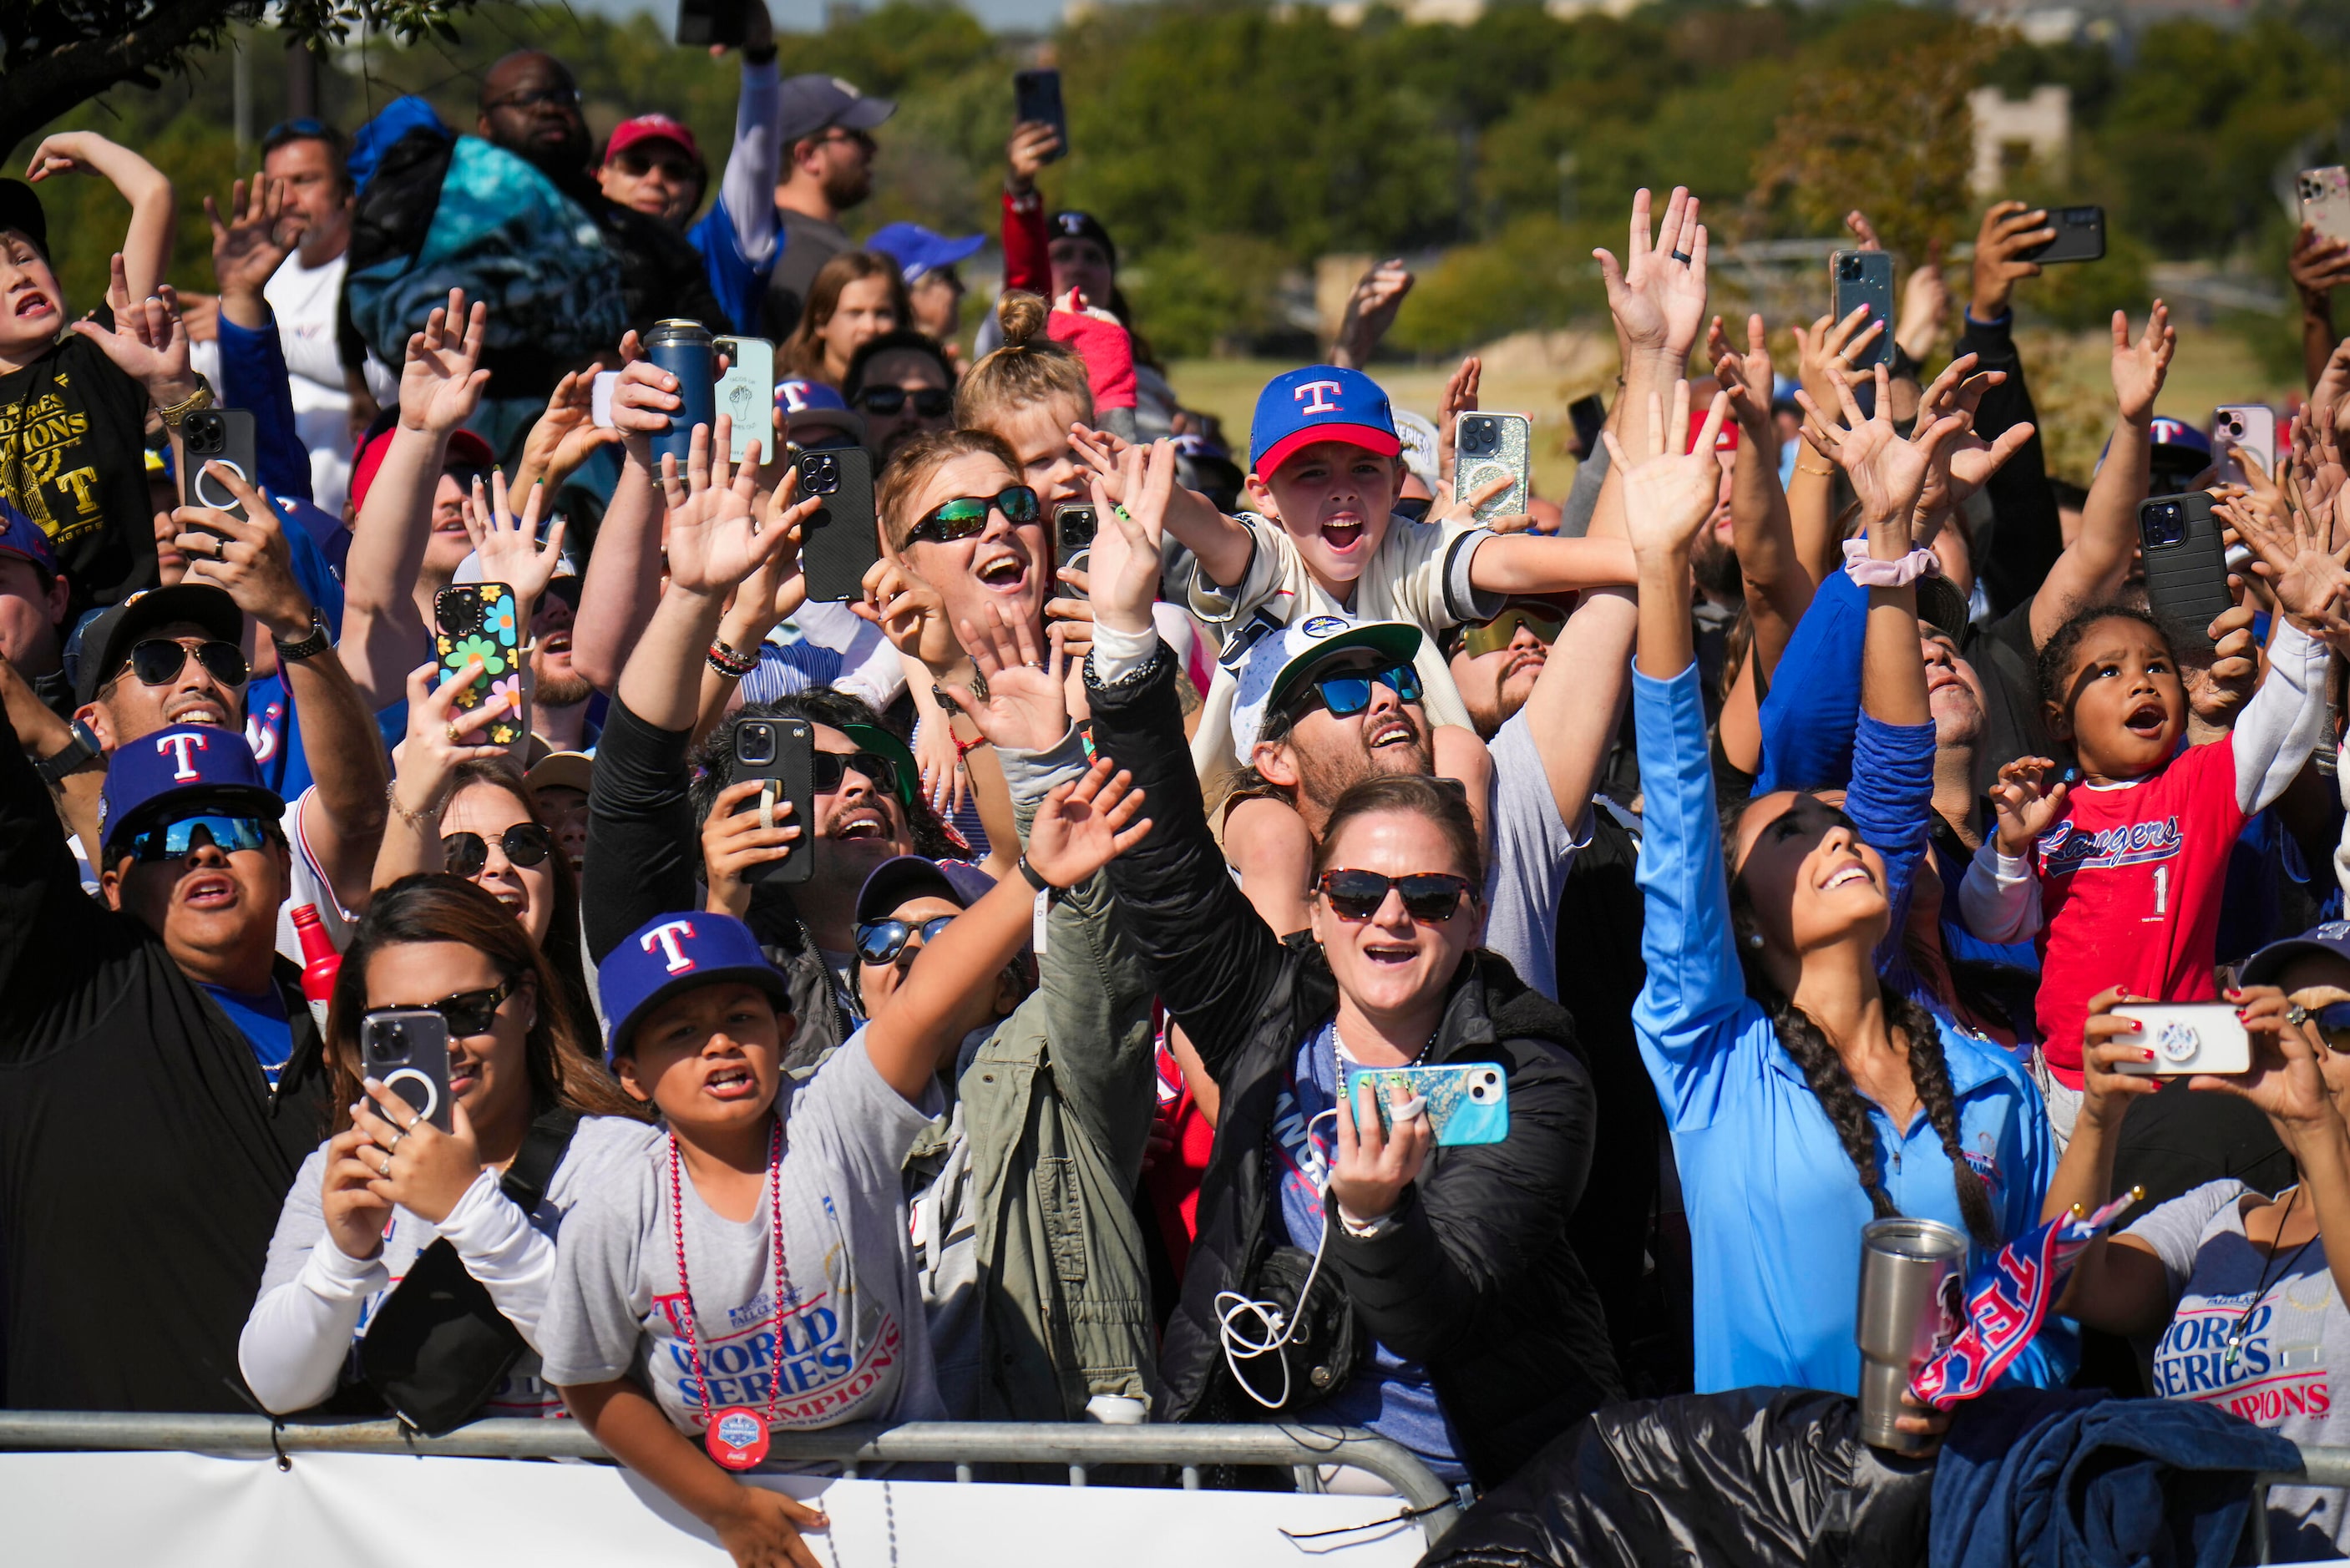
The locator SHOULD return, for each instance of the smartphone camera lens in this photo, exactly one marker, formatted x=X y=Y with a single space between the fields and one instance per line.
x=1477 y=436
x=2166 y=525
x=1848 y=268
x=205 y=432
x=461 y=614
x=755 y=744
x=821 y=471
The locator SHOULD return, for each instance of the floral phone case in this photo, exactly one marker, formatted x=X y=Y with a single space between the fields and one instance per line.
x=1468 y=1103
x=478 y=620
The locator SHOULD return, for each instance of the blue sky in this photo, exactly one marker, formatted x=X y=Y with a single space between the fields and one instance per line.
x=1032 y=14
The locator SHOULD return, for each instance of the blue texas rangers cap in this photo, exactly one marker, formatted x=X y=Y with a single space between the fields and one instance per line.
x=2331 y=939
x=807 y=404
x=174 y=773
x=22 y=537
x=1321 y=402
x=671 y=953
x=2163 y=431
x=917 y=250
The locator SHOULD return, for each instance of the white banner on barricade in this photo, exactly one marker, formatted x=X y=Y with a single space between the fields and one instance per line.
x=382 y=1510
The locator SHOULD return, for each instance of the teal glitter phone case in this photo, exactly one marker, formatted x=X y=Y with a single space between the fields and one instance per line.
x=1468 y=1103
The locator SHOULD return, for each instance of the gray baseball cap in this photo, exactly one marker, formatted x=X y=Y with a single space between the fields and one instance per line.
x=814 y=101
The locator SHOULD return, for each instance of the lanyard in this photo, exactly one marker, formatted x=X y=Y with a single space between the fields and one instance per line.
x=737 y=1436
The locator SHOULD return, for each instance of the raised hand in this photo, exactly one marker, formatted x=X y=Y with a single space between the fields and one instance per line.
x=259 y=235
x=2293 y=552
x=1371 y=309
x=441 y=735
x=1887 y=474
x=566 y=435
x=441 y=384
x=910 y=612
x=773 y=592
x=2029 y=797
x=1083 y=824
x=1125 y=565
x=2140 y=368
x=1925 y=306
x=1747 y=378
x=2008 y=227
x=1658 y=295
x=248 y=555
x=1460 y=398
x=147 y=342
x=1026 y=708
x=1033 y=144
x=1966 y=462
x=732 y=842
x=509 y=546
x=1669 y=493
x=716 y=539
x=2217 y=690
x=2318 y=266
x=1829 y=349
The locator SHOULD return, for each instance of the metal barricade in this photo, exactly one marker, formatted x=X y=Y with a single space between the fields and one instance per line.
x=2319 y=1466
x=1080 y=1445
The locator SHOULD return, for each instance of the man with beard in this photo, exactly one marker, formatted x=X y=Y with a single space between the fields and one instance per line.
x=559 y=694
x=825 y=127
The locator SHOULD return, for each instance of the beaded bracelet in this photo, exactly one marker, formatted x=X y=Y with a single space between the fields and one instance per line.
x=729 y=663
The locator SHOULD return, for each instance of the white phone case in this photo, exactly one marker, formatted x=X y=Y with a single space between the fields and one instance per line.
x=2188 y=1037
x=2326 y=201
x=600 y=399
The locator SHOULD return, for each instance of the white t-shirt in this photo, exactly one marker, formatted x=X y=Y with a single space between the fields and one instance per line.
x=855 y=1344
x=316 y=1303
x=303 y=299
x=1533 y=846
x=2293 y=1335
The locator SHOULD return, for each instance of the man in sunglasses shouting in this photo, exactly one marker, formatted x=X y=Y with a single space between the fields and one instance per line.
x=156 y=1035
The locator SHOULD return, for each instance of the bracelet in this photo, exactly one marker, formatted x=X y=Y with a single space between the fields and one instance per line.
x=965 y=748
x=733 y=665
x=202 y=398
x=1869 y=572
x=417 y=819
x=311 y=644
x=1036 y=878
x=1828 y=473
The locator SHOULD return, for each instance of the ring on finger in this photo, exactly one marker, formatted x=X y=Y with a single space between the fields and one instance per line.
x=384 y=1169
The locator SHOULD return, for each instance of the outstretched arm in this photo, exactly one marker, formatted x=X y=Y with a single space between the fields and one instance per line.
x=2091 y=567
x=147 y=243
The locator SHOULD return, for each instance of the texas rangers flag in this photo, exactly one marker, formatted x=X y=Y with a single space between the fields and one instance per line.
x=2007 y=1300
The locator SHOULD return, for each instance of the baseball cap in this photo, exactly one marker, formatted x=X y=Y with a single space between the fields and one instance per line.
x=815 y=100
x=465 y=450
x=1727 y=441
x=561 y=770
x=21 y=209
x=813 y=403
x=106 y=640
x=671 y=953
x=917 y=250
x=885 y=743
x=2163 y=431
x=653 y=127
x=1273 y=667
x=1417 y=432
x=22 y=537
x=1073 y=224
x=893 y=882
x=162 y=776
x=2333 y=937
x=1321 y=402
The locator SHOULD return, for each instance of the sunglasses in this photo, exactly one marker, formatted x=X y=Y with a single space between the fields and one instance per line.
x=881 y=941
x=929 y=403
x=525 y=844
x=467 y=1013
x=966 y=515
x=1546 y=621
x=1428 y=897
x=157 y=660
x=176 y=840
x=637 y=166
x=1348 y=692
x=2333 y=1022
x=826 y=768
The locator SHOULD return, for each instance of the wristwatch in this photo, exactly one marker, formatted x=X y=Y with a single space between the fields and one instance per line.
x=81 y=749
x=315 y=642
x=202 y=398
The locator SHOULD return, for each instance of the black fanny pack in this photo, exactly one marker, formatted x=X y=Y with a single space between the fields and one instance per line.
x=439 y=1346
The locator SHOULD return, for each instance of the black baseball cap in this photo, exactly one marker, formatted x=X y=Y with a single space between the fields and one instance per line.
x=108 y=639
x=21 y=209
x=815 y=100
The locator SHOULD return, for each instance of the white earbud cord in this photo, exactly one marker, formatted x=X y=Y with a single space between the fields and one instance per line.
x=1279 y=1327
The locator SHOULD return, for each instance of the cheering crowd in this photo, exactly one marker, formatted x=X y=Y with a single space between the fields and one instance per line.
x=975 y=998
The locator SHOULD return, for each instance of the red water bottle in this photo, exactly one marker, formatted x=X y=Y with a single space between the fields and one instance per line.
x=320 y=962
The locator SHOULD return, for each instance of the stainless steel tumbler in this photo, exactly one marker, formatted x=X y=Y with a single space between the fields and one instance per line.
x=1912 y=1273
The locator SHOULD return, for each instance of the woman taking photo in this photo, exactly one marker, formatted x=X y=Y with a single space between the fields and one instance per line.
x=1805 y=1096
x=856 y=297
x=1480 y=1339
x=389 y=1183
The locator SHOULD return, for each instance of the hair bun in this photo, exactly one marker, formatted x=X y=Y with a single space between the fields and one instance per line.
x=1021 y=316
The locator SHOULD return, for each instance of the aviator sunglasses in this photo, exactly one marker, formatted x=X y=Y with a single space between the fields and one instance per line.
x=157 y=660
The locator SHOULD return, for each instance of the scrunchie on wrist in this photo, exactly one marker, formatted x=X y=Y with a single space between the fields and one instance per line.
x=1869 y=572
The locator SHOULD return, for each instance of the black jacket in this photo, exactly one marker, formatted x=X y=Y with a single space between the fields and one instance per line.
x=1476 y=1280
x=144 y=1159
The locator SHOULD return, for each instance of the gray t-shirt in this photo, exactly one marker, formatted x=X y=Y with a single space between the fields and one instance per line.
x=2294 y=1336
x=854 y=1345
x=1532 y=847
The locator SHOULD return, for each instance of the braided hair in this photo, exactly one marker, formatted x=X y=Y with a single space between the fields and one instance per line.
x=1840 y=1097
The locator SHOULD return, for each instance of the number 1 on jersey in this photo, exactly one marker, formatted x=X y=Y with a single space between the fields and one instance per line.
x=2161 y=894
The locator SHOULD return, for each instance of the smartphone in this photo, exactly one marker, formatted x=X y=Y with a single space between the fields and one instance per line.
x=1589 y=417
x=406 y=1049
x=216 y=435
x=1074 y=522
x=779 y=754
x=477 y=619
x=1865 y=278
x=2185 y=567
x=600 y=400
x=1468 y=1102
x=1036 y=95
x=711 y=21
x=838 y=544
x=1486 y=447
x=2080 y=237
x=2188 y=1037
x=2246 y=427
x=746 y=395
x=2326 y=201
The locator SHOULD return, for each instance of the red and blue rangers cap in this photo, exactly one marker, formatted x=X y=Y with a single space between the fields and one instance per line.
x=671 y=953
x=1321 y=402
x=185 y=768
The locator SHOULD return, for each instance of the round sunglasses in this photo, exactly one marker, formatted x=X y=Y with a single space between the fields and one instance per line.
x=157 y=660
x=467 y=1013
x=929 y=402
x=966 y=515
x=525 y=844
x=1428 y=897
x=881 y=941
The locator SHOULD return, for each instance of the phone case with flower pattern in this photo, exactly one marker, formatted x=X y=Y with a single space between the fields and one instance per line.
x=478 y=621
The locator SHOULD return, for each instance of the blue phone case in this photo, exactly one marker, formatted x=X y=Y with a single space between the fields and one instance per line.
x=1468 y=1103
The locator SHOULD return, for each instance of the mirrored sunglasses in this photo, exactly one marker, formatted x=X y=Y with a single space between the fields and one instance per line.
x=1544 y=620
x=1348 y=692
x=966 y=517
x=176 y=840
x=881 y=941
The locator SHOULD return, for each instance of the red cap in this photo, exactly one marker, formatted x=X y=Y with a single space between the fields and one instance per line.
x=1726 y=441
x=651 y=128
x=465 y=449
